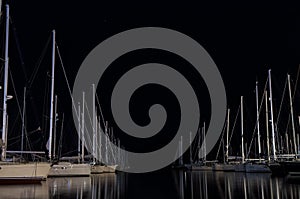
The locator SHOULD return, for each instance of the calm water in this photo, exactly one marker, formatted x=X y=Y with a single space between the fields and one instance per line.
x=163 y=184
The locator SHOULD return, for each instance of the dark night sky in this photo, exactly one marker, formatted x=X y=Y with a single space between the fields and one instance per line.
x=243 y=40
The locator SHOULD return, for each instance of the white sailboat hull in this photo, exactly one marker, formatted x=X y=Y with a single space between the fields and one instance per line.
x=110 y=168
x=96 y=169
x=66 y=169
x=24 y=170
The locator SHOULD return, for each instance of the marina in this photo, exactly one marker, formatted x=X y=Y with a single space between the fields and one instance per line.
x=137 y=109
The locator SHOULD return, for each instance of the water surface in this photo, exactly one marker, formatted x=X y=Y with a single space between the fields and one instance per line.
x=162 y=184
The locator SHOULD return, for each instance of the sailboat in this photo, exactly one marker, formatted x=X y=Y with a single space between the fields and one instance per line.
x=13 y=172
x=241 y=167
x=61 y=169
x=260 y=166
x=292 y=167
x=96 y=166
x=201 y=165
x=289 y=164
x=225 y=166
x=179 y=164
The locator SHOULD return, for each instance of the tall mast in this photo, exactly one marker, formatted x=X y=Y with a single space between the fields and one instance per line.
x=54 y=127
x=272 y=116
x=52 y=95
x=82 y=127
x=94 y=124
x=292 y=115
x=180 y=151
x=227 y=138
x=79 y=132
x=257 y=121
x=204 y=143
x=119 y=153
x=242 y=130
x=96 y=138
x=267 y=125
x=199 y=151
x=100 y=141
x=4 y=117
x=191 y=154
x=106 y=143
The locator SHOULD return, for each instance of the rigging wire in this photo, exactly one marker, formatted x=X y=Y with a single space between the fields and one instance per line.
x=281 y=104
x=18 y=47
x=296 y=83
x=294 y=93
x=234 y=124
x=259 y=112
x=19 y=110
x=38 y=64
x=101 y=113
x=89 y=115
x=45 y=110
x=18 y=104
x=70 y=93
x=194 y=152
x=221 y=141
x=17 y=100
x=67 y=81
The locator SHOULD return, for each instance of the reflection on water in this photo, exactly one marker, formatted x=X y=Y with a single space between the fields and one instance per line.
x=97 y=186
x=76 y=187
x=24 y=191
x=230 y=185
x=168 y=184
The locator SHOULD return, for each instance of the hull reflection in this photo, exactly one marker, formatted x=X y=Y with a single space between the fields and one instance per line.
x=75 y=187
x=233 y=185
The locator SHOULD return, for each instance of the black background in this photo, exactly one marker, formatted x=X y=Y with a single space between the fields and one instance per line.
x=244 y=40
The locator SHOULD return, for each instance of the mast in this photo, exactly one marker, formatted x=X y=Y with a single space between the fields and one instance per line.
x=106 y=140
x=204 y=143
x=4 y=117
x=54 y=127
x=82 y=127
x=257 y=121
x=23 y=121
x=199 y=151
x=242 y=130
x=119 y=152
x=52 y=95
x=292 y=115
x=79 y=132
x=267 y=125
x=180 y=151
x=100 y=141
x=94 y=124
x=96 y=138
x=227 y=138
x=272 y=117
x=191 y=156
